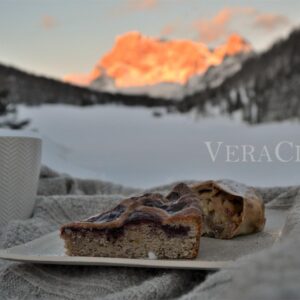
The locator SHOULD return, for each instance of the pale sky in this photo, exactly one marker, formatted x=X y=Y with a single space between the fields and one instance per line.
x=58 y=37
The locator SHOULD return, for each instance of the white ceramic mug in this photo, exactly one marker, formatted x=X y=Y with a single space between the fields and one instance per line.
x=20 y=161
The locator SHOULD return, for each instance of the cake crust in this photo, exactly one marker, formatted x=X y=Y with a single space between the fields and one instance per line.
x=170 y=227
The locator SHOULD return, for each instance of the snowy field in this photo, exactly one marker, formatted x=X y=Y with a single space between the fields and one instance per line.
x=128 y=145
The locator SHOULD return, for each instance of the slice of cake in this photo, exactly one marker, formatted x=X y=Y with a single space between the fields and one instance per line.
x=229 y=209
x=150 y=225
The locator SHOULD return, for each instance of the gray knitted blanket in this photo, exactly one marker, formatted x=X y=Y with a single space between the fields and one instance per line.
x=271 y=274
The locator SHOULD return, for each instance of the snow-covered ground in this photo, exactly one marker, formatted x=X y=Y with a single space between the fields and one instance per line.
x=129 y=145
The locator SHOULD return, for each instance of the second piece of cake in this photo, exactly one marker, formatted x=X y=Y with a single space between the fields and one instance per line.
x=229 y=208
x=140 y=227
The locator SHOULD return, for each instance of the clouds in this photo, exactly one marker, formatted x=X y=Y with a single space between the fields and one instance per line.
x=270 y=22
x=209 y=30
x=261 y=28
x=212 y=29
x=220 y=25
x=48 y=22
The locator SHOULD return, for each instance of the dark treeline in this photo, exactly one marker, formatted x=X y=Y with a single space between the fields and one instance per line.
x=266 y=88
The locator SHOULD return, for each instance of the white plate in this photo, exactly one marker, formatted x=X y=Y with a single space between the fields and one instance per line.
x=213 y=254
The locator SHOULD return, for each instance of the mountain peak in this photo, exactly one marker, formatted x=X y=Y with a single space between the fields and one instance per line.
x=235 y=44
x=138 y=60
